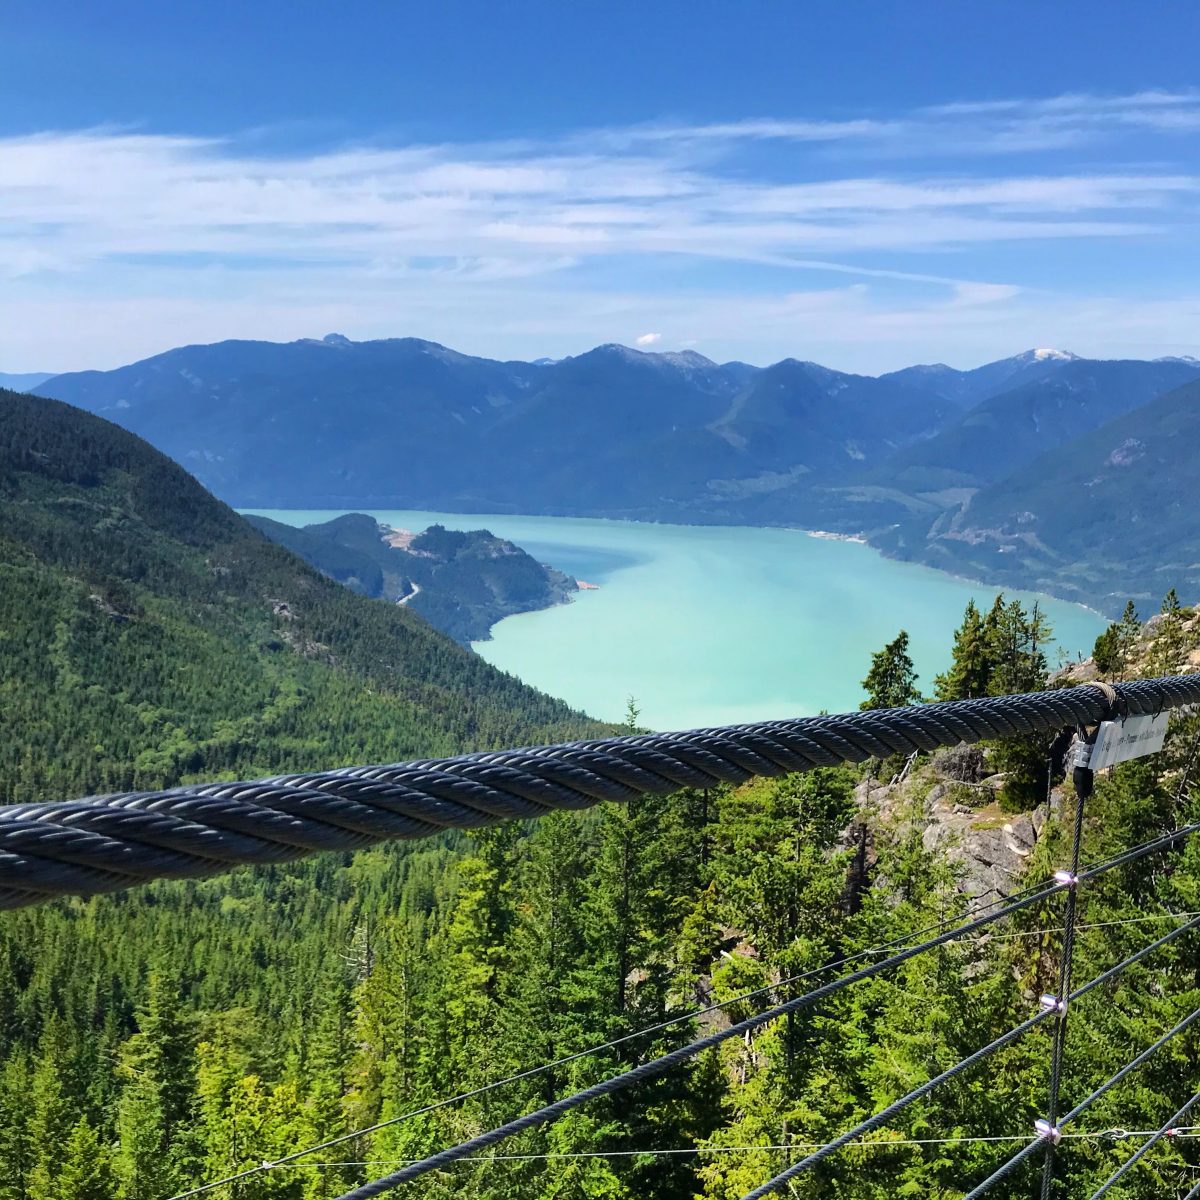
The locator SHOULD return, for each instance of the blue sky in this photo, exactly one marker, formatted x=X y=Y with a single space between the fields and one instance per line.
x=864 y=184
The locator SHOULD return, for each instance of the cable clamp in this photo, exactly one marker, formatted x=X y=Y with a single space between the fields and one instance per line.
x=1052 y=1004
x=1047 y=1132
x=1171 y=1133
x=1066 y=878
x=1117 y=1134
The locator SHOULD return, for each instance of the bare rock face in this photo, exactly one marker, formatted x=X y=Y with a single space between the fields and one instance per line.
x=962 y=822
x=991 y=850
x=963 y=763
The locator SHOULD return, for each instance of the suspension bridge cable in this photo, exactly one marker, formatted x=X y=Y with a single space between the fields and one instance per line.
x=1047 y=1132
x=1084 y=783
x=659 y=1066
x=108 y=843
x=1183 y=1133
x=896 y=1107
x=1194 y=1193
x=1167 y=1130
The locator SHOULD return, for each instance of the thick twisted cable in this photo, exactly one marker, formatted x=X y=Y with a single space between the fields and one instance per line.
x=884 y=1116
x=107 y=843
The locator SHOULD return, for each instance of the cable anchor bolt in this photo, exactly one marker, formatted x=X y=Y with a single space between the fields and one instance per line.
x=1047 y=1132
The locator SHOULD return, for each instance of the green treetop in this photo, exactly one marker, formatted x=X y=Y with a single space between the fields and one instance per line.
x=892 y=681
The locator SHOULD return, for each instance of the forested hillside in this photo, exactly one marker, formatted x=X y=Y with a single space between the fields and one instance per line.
x=150 y=635
x=185 y=1032
x=461 y=582
x=1108 y=516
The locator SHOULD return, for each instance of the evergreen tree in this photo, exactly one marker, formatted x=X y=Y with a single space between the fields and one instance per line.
x=970 y=673
x=16 y=1146
x=1170 y=645
x=1130 y=630
x=892 y=680
x=87 y=1172
x=1106 y=653
x=52 y=1113
x=1115 y=647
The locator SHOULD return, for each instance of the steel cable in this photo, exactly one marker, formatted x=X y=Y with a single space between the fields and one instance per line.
x=1052 y=1134
x=108 y=843
x=1136 y=1157
x=896 y=1107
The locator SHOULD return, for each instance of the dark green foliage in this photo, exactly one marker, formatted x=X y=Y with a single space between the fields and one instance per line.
x=970 y=671
x=892 y=680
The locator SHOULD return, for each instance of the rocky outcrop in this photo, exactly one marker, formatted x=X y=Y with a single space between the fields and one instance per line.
x=991 y=849
x=955 y=802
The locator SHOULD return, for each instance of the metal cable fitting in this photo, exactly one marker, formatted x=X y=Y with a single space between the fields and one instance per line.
x=1047 y=1132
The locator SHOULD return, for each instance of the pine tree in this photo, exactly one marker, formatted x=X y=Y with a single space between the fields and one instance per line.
x=53 y=1108
x=1114 y=649
x=87 y=1172
x=1129 y=631
x=970 y=673
x=892 y=680
x=1170 y=645
x=1106 y=653
x=16 y=1148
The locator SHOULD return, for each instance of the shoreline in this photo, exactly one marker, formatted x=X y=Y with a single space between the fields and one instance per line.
x=819 y=534
x=825 y=535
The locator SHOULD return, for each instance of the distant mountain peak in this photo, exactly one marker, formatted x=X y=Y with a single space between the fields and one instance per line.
x=336 y=339
x=689 y=359
x=1047 y=355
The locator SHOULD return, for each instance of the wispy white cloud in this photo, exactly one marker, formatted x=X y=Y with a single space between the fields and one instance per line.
x=648 y=339
x=487 y=231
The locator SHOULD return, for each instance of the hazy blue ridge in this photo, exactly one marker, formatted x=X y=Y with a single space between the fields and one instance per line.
x=622 y=434
x=24 y=382
x=1111 y=515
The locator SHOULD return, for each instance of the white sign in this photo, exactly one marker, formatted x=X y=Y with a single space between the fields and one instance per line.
x=1134 y=737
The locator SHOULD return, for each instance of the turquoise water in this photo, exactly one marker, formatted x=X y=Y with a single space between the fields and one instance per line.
x=715 y=625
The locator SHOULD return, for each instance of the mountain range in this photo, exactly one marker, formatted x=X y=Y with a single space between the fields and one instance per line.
x=902 y=459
